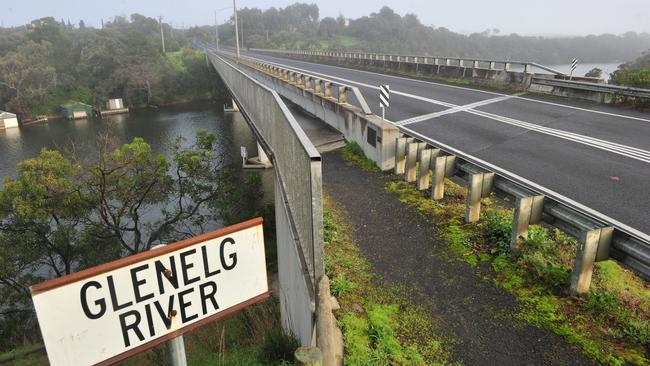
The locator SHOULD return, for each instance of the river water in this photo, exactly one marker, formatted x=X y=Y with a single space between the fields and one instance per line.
x=158 y=127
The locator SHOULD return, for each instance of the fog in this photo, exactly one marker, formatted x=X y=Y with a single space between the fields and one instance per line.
x=548 y=17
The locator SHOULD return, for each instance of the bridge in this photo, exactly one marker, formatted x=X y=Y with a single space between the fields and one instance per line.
x=581 y=167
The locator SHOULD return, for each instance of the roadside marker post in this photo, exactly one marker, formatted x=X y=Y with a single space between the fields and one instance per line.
x=108 y=313
x=384 y=98
x=574 y=65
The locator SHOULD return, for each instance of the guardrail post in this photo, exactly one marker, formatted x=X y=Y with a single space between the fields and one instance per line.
x=300 y=80
x=528 y=68
x=318 y=90
x=328 y=89
x=343 y=94
x=479 y=185
x=448 y=62
x=412 y=151
x=444 y=166
x=506 y=66
x=400 y=154
x=588 y=253
x=461 y=63
x=476 y=64
x=528 y=211
x=493 y=65
x=308 y=83
x=424 y=167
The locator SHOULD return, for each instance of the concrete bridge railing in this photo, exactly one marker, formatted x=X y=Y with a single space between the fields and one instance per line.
x=339 y=105
x=298 y=195
x=525 y=76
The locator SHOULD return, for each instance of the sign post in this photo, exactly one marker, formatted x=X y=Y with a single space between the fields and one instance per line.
x=105 y=314
x=384 y=97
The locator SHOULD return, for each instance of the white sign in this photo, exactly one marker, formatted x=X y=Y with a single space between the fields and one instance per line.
x=110 y=312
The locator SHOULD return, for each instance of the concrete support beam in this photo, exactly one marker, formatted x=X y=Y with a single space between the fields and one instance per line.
x=412 y=151
x=588 y=252
x=424 y=167
x=400 y=154
x=479 y=186
x=443 y=167
x=528 y=211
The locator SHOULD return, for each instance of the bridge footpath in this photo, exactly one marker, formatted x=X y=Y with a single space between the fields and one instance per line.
x=597 y=155
x=407 y=253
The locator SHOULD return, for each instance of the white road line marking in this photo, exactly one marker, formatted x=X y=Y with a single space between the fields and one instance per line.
x=476 y=90
x=612 y=147
x=456 y=109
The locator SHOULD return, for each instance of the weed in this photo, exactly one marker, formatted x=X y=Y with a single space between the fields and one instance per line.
x=354 y=155
x=340 y=285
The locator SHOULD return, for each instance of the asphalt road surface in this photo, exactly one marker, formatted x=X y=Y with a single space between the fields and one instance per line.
x=595 y=154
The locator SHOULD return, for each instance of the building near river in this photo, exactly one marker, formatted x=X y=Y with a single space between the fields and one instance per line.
x=8 y=120
x=114 y=106
x=76 y=110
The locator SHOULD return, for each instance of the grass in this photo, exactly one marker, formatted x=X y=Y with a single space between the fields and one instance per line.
x=354 y=155
x=611 y=325
x=380 y=327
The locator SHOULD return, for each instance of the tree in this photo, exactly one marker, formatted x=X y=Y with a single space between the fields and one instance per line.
x=594 y=73
x=328 y=27
x=27 y=73
x=62 y=214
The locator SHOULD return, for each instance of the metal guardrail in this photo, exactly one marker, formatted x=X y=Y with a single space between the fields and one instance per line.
x=599 y=88
x=476 y=63
x=628 y=245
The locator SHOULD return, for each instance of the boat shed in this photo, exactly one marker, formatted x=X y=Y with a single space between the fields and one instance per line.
x=8 y=120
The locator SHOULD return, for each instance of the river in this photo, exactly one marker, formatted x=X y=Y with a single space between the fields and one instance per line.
x=158 y=127
x=582 y=69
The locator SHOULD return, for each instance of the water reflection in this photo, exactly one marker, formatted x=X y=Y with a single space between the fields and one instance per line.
x=158 y=127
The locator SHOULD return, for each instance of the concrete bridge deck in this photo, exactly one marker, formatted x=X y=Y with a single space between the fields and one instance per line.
x=595 y=154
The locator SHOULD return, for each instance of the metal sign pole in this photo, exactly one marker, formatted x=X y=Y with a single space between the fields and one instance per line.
x=175 y=346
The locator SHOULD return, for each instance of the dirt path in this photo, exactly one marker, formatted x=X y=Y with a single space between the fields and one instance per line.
x=403 y=249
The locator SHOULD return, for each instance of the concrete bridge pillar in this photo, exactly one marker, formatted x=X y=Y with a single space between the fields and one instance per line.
x=443 y=167
x=479 y=186
x=528 y=211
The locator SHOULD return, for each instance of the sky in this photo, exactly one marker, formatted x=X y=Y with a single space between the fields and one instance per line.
x=526 y=17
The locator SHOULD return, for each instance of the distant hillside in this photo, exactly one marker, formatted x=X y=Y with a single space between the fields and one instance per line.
x=299 y=26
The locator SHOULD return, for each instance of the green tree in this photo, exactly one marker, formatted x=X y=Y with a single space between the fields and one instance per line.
x=594 y=73
x=27 y=74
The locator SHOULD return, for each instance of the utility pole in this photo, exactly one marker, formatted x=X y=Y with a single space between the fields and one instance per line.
x=234 y=6
x=216 y=29
x=162 y=34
